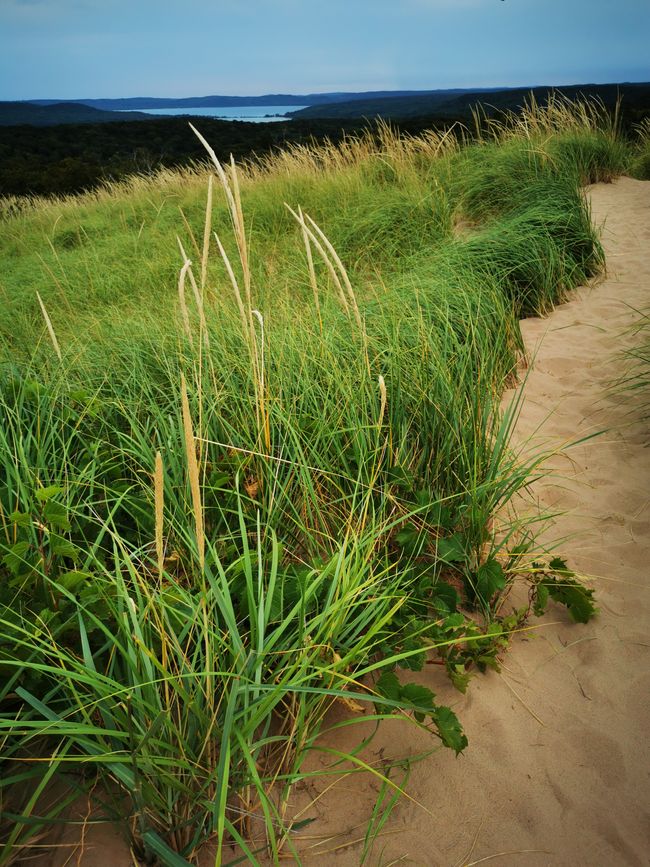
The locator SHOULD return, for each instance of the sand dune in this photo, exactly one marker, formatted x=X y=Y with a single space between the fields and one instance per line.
x=557 y=770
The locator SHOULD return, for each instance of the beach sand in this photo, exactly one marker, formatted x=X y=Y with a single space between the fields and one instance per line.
x=557 y=771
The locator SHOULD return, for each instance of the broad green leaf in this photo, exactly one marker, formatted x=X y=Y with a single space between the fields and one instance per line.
x=459 y=677
x=389 y=686
x=46 y=615
x=451 y=549
x=444 y=597
x=399 y=477
x=441 y=516
x=436 y=513
x=541 y=599
x=414 y=662
x=72 y=580
x=409 y=538
x=450 y=729
x=577 y=598
x=21 y=519
x=14 y=559
x=557 y=564
x=79 y=394
x=45 y=494
x=418 y=696
x=578 y=601
x=488 y=661
x=63 y=547
x=454 y=621
x=490 y=577
x=56 y=514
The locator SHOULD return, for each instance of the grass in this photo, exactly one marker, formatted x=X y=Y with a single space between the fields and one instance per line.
x=640 y=165
x=254 y=460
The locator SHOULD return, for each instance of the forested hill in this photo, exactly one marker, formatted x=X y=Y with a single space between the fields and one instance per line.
x=68 y=158
x=15 y=113
x=636 y=100
x=150 y=102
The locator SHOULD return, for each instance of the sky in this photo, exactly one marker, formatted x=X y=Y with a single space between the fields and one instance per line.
x=117 y=48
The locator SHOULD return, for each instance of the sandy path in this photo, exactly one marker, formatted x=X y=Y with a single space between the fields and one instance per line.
x=577 y=786
x=557 y=770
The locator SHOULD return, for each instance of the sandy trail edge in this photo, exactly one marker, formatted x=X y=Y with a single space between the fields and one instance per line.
x=557 y=769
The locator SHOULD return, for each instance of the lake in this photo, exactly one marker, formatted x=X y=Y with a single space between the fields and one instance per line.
x=251 y=113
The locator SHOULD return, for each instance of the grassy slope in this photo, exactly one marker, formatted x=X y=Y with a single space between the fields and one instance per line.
x=340 y=494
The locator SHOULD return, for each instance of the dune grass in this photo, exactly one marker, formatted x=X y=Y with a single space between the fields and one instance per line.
x=640 y=163
x=254 y=459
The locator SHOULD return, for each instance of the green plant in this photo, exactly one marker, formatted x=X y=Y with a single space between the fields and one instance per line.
x=275 y=489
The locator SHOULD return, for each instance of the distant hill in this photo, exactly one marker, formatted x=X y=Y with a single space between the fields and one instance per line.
x=17 y=113
x=140 y=102
x=458 y=105
x=451 y=104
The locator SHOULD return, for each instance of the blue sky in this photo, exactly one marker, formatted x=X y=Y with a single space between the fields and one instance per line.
x=112 y=48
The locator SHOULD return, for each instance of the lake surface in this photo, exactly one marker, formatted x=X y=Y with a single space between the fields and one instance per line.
x=251 y=113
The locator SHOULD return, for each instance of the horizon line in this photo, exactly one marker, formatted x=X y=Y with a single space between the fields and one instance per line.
x=328 y=92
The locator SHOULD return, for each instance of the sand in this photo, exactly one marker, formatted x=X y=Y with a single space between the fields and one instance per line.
x=557 y=769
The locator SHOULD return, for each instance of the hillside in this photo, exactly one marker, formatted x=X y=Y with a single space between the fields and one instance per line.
x=16 y=113
x=139 y=102
x=458 y=105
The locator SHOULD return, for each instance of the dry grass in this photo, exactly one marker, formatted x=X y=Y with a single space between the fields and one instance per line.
x=159 y=499
x=50 y=329
x=558 y=114
x=193 y=474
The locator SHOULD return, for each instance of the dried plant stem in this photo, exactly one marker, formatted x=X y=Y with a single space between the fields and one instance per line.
x=193 y=473
x=48 y=322
x=190 y=232
x=382 y=392
x=198 y=298
x=159 y=499
x=240 y=233
x=323 y=254
x=341 y=267
x=183 y=304
x=220 y=172
x=257 y=358
x=261 y=390
x=206 y=237
x=235 y=286
x=310 y=265
x=233 y=199
x=230 y=184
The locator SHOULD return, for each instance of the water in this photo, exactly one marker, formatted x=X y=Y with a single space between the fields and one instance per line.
x=251 y=113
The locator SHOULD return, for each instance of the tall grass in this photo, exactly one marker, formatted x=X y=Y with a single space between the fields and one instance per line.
x=640 y=163
x=253 y=453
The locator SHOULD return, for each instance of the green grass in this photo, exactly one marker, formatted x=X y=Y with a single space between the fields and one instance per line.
x=216 y=524
x=640 y=162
